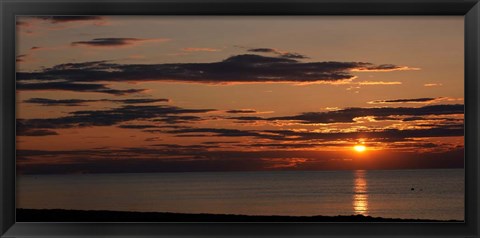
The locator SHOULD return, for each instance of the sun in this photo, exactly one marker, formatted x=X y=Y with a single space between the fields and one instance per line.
x=359 y=148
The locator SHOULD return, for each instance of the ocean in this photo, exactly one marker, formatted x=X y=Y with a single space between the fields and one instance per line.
x=412 y=194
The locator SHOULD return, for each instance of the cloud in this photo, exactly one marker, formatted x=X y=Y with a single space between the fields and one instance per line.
x=137 y=126
x=247 y=68
x=176 y=146
x=262 y=50
x=391 y=134
x=89 y=118
x=22 y=131
x=115 y=42
x=289 y=135
x=248 y=119
x=241 y=111
x=284 y=54
x=356 y=85
x=30 y=56
x=21 y=58
x=193 y=49
x=383 y=68
x=216 y=131
x=219 y=142
x=378 y=83
x=75 y=87
x=170 y=115
x=432 y=85
x=294 y=56
x=64 y=19
x=179 y=119
x=413 y=100
x=138 y=100
x=82 y=102
x=151 y=139
x=41 y=48
x=60 y=102
x=347 y=115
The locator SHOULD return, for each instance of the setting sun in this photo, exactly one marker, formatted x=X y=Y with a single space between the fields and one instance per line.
x=359 y=148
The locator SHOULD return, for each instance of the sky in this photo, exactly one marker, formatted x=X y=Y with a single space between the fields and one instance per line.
x=132 y=94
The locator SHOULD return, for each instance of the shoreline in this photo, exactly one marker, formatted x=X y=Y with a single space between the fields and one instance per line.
x=61 y=215
x=240 y=171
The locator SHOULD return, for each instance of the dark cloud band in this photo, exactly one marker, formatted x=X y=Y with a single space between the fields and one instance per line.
x=411 y=100
x=106 y=42
x=348 y=115
x=83 y=102
x=241 y=111
x=247 y=68
x=110 y=117
x=75 y=87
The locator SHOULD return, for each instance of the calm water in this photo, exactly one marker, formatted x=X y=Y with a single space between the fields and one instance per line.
x=437 y=194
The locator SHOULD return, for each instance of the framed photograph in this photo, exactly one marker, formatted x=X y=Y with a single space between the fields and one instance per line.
x=259 y=118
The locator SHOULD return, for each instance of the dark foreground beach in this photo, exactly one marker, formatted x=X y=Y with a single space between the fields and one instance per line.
x=59 y=215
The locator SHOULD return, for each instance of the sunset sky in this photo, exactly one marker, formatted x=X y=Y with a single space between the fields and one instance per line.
x=192 y=93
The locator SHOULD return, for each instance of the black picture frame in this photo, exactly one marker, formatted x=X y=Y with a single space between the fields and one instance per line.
x=11 y=8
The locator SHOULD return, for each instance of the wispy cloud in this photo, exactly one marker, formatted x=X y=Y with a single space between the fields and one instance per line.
x=21 y=58
x=284 y=54
x=115 y=42
x=378 y=83
x=384 y=68
x=432 y=85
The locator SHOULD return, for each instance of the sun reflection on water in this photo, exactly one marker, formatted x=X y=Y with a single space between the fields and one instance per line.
x=360 y=193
